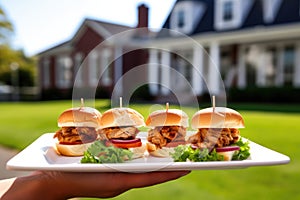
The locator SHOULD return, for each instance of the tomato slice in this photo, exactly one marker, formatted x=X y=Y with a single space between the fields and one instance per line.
x=125 y=144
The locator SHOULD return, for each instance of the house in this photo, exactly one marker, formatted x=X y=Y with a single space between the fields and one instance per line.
x=221 y=44
x=93 y=60
x=204 y=46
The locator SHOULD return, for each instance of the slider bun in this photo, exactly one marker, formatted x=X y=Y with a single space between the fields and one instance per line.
x=79 y=117
x=170 y=117
x=163 y=152
x=72 y=149
x=221 y=118
x=117 y=117
x=227 y=155
x=138 y=152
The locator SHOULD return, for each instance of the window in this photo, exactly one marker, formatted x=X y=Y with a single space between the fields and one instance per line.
x=289 y=60
x=227 y=11
x=270 y=65
x=183 y=70
x=94 y=71
x=63 y=72
x=78 y=73
x=106 y=74
x=46 y=73
x=180 y=21
x=186 y=16
x=270 y=9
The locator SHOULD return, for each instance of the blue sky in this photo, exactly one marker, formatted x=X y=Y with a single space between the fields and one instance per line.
x=40 y=24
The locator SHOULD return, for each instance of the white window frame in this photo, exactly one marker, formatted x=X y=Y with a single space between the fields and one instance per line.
x=270 y=9
x=220 y=22
x=192 y=12
x=63 y=72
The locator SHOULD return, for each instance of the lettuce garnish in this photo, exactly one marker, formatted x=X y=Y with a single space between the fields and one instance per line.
x=244 y=151
x=98 y=152
x=183 y=153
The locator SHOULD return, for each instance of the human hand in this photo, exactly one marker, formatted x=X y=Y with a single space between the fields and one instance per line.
x=64 y=185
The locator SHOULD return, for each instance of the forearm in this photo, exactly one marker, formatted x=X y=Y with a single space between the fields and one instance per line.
x=56 y=185
x=30 y=187
x=62 y=185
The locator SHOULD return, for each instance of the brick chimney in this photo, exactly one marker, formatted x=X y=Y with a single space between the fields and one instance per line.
x=143 y=14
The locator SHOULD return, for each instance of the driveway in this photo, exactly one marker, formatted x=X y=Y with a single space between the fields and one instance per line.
x=5 y=155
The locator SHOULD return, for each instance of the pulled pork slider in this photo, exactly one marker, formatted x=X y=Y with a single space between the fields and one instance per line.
x=168 y=130
x=119 y=127
x=217 y=128
x=78 y=129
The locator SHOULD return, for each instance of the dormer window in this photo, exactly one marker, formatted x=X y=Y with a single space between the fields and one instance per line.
x=270 y=9
x=228 y=11
x=180 y=19
x=227 y=14
x=185 y=16
x=230 y=14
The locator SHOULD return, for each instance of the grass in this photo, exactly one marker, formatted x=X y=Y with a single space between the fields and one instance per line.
x=274 y=126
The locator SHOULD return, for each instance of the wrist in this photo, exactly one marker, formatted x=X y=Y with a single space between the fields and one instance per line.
x=37 y=186
x=49 y=183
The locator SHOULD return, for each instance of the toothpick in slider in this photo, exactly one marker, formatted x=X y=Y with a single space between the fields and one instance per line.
x=167 y=106
x=121 y=102
x=213 y=102
x=82 y=103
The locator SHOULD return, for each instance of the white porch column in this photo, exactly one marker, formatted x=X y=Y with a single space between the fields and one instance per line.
x=153 y=69
x=118 y=69
x=165 y=72
x=214 y=68
x=279 y=79
x=242 y=80
x=261 y=68
x=296 y=78
x=197 y=72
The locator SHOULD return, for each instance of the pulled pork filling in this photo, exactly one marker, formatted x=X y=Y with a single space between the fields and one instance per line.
x=123 y=132
x=163 y=135
x=75 y=135
x=210 y=138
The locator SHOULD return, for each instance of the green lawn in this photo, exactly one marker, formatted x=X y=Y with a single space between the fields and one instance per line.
x=274 y=126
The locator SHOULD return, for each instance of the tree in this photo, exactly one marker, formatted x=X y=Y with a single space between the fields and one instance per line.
x=8 y=55
x=6 y=27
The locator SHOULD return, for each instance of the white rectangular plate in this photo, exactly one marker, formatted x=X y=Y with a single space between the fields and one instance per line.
x=41 y=155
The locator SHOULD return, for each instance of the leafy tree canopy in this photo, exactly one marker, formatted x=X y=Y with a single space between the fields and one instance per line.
x=6 y=27
x=8 y=56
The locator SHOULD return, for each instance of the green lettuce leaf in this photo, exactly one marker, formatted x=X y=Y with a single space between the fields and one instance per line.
x=98 y=152
x=183 y=153
x=244 y=151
